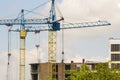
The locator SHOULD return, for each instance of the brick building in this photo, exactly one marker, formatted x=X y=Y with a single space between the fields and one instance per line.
x=40 y=71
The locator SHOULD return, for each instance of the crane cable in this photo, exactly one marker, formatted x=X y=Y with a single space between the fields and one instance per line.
x=31 y=11
x=62 y=51
x=37 y=44
x=9 y=54
x=62 y=42
x=39 y=6
x=61 y=16
x=60 y=13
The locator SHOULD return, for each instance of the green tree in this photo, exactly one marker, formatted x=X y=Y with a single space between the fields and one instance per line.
x=102 y=72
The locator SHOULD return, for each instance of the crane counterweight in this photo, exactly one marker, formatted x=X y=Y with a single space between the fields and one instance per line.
x=23 y=33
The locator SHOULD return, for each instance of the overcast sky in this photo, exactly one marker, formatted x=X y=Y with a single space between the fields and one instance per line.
x=89 y=43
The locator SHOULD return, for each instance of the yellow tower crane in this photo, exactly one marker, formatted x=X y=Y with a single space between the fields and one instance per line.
x=53 y=27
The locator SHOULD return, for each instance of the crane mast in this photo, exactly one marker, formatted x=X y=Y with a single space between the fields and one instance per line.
x=52 y=45
x=22 y=49
x=53 y=27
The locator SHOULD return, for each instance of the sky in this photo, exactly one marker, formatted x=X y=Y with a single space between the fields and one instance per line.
x=89 y=43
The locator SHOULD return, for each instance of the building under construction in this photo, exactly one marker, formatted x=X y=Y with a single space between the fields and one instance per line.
x=39 y=71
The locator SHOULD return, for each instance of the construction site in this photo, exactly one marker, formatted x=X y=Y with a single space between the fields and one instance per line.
x=39 y=71
x=52 y=24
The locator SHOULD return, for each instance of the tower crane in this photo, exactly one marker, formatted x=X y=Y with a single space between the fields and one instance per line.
x=52 y=28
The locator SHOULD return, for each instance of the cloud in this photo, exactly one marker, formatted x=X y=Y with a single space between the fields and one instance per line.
x=3 y=68
x=13 y=70
x=78 y=42
x=72 y=56
x=92 y=41
x=118 y=5
x=98 y=59
x=90 y=11
x=31 y=57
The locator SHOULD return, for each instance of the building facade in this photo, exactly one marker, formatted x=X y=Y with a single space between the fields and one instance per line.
x=114 y=44
x=40 y=71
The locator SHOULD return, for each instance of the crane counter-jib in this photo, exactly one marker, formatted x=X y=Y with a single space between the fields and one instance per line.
x=28 y=21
